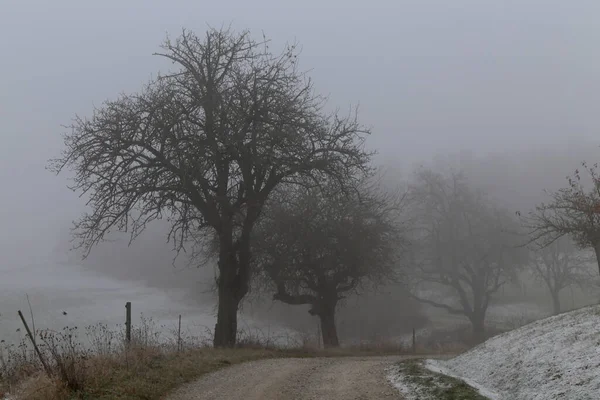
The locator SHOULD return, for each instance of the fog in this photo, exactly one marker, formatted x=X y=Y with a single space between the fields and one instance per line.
x=509 y=91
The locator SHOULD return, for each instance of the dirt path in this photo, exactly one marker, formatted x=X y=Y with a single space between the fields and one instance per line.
x=296 y=379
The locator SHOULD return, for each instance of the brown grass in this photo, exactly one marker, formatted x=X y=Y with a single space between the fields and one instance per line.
x=148 y=368
x=148 y=373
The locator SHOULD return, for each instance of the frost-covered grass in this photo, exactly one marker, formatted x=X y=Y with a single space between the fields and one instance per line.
x=436 y=367
x=553 y=358
x=416 y=382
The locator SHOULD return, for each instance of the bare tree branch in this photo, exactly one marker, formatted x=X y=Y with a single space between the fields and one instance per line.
x=464 y=243
x=572 y=211
x=560 y=266
x=446 y=307
x=204 y=147
x=317 y=245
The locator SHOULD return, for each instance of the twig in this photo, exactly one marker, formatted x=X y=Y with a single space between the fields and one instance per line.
x=37 y=350
x=32 y=319
x=179 y=335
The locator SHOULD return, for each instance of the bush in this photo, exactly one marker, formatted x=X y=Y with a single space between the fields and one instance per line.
x=66 y=355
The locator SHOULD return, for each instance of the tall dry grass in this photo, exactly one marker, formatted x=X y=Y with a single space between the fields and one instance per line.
x=80 y=361
x=97 y=363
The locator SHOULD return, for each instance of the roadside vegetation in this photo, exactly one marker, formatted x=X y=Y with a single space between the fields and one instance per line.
x=96 y=362
x=417 y=382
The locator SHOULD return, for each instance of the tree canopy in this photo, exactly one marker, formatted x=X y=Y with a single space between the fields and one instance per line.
x=560 y=265
x=317 y=245
x=204 y=146
x=463 y=244
x=572 y=211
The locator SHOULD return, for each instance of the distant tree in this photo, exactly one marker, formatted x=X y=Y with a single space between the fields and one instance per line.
x=572 y=211
x=204 y=147
x=559 y=265
x=318 y=245
x=466 y=247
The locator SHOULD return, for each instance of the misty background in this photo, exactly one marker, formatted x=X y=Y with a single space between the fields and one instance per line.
x=507 y=91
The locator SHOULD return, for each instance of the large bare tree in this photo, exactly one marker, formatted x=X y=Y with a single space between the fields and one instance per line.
x=572 y=211
x=318 y=245
x=204 y=146
x=466 y=246
x=559 y=265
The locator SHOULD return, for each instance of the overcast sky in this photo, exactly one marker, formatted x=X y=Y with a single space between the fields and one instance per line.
x=430 y=76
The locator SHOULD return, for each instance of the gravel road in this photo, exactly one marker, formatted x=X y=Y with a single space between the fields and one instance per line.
x=296 y=379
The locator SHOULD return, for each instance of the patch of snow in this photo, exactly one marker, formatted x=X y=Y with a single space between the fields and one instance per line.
x=412 y=390
x=435 y=366
x=408 y=389
x=553 y=358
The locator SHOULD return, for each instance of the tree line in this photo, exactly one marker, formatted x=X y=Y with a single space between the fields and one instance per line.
x=235 y=149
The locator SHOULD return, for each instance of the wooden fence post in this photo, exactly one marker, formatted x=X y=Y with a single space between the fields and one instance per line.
x=37 y=350
x=318 y=334
x=128 y=322
x=179 y=335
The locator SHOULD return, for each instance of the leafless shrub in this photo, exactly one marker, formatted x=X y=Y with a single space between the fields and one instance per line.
x=67 y=354
x=18 y=360
x=69 y=357
x=102 y=340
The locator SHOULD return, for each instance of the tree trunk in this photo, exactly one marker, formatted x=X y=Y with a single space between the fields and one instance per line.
x=478 y=326
x=572 y=297
x=555 y=303
x=226 y=327
x=325 y=310
x=232 y=287
x=329 y=330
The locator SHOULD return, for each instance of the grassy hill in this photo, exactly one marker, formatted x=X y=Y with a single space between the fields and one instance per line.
x=553 y=358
